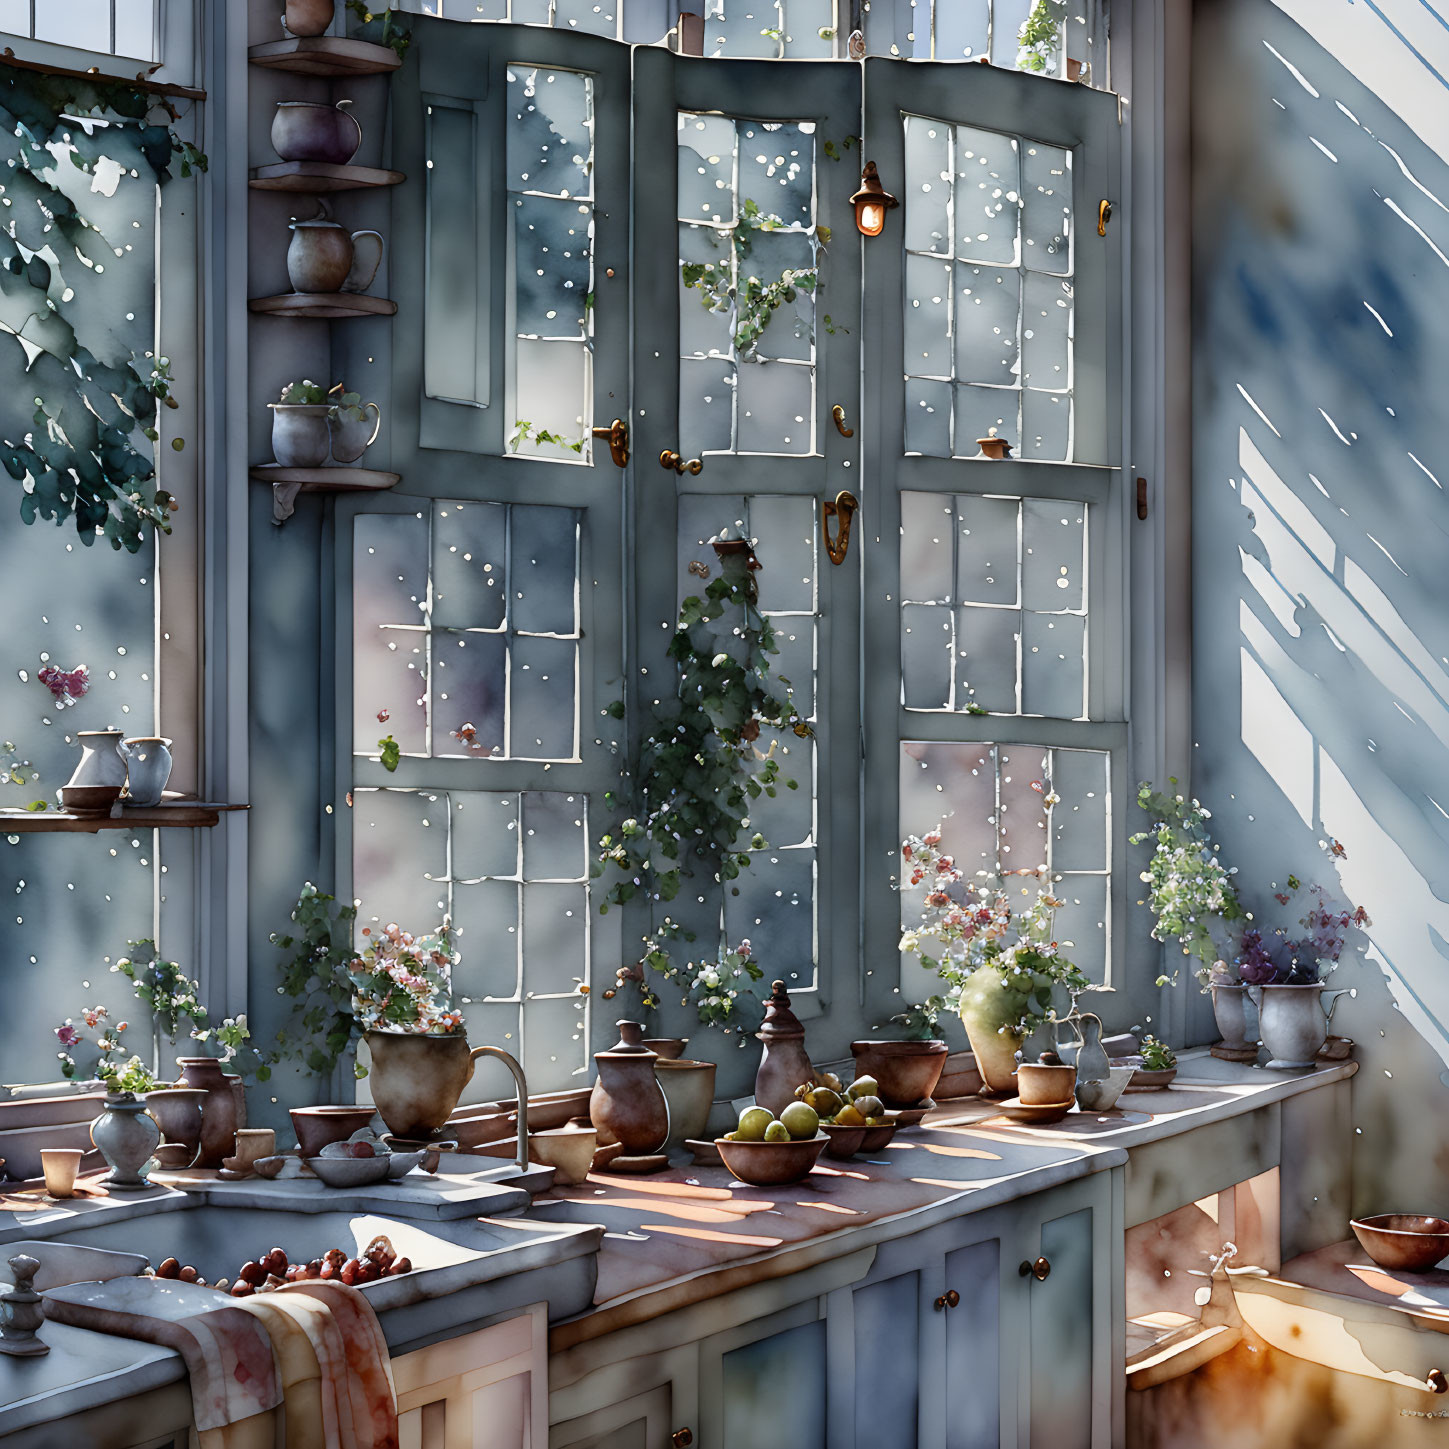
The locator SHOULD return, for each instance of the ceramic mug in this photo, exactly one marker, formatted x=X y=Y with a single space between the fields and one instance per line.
x=61 y=1165
x=350 y=437
x=252 y=1143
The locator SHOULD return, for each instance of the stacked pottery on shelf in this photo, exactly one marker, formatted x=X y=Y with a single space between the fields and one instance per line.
x=628 y=1107
x=112 y=766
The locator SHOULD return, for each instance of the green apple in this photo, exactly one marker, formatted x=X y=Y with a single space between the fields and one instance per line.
x=801 y=1120
x=753 y=1123
x=777 y=1132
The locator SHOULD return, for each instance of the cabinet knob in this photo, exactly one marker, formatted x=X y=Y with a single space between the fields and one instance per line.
x=682 y=1438
x=949 y=1299
x=1040 y=1270
x=1438 y=1384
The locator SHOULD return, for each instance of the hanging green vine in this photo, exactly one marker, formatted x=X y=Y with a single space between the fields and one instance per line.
x=727 y=284
x=82 y=457
x=383 y=27
x=698 y=771
x=1040 y=36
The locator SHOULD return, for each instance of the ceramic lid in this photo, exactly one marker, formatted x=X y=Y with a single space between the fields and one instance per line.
x=779 y=1020
x=630 y=1043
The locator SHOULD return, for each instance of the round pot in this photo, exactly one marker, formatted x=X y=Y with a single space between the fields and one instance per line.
x=989 y=1014
x=300 y=437
x=352 y=437
x=689 y=1093
x=315 y=131
x=223 y=1111
x=416 y=1080
x=318 y=1127
x=906 y=1072
x=148 y=768
x=1230 y=1009
x=307 y=17
x=1294 y=1024
x=322 y=257
x=1040 y=1085
x=845 y=1141
x=179 y=1113
x=671 y=1048
x=627 y=1104
x=126 y=1136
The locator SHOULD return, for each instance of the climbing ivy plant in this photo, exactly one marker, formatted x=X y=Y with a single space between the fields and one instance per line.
x=84 y=456
x=686 y=813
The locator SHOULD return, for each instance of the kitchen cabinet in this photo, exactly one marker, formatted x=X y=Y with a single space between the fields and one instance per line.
x=992 y=1330
x=485 y=1387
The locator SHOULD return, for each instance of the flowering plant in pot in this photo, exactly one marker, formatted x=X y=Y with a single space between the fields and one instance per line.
x=1002 y=965
x=402 y=998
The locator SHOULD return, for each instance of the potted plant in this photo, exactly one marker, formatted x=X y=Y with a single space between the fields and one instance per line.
x=300 y=436
x=1002 y=966
x=403 y=1001
x=1190 y=893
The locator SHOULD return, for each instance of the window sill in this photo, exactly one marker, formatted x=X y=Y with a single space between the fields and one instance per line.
x=170 y=813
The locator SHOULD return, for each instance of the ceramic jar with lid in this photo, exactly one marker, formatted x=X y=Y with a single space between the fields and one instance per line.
x=627 y=1104
x=785 y=1064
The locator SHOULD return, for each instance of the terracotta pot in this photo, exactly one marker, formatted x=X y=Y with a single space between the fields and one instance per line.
x=689 y=1091
x=307 y=17
x=988 y=1014
x=416 y=1080
x=671 y=1048
x=315 y=131
x=1294 y=1023
x=317 y=1127
x=126 y=1135
x=785 y=1064
x=627 y=1104
x=223 y=1111
x=179 y=1112
x=300 y=438
x=905 y=1071
x=1040 y=1085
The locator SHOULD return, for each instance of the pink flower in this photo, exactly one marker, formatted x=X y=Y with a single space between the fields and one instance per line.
x=65 y=686
x=68 y=1035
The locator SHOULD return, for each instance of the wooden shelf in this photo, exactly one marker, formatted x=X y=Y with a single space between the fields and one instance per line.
x=287 y=483
x=329 y=305
x=324 y=55
x=319 y=176
x=170 y=813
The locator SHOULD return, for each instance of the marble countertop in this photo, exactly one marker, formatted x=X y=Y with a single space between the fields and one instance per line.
x=678 y=1237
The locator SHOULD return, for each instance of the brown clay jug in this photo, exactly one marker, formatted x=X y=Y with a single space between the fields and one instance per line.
x=784 y=1064
x=627 y=1104
x=223 y=1111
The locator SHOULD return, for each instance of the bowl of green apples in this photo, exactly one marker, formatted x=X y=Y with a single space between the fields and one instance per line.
x=769 y=1151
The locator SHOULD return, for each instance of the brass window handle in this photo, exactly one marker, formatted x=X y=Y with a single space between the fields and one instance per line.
x=682 y=1438
x=617 y=437
x=1040 y=1270
x=843 y=511
x=837 y=414
x=949 y=1299
x=670 y=459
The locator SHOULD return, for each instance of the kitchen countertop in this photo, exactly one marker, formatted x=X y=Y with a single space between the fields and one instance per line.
x=691 y=1233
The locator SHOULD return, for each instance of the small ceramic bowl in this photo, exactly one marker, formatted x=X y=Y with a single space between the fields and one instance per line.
x=1150 y=1081
x=1039 y=1113
x=89 y=799
x=317 y=1126
x=1041 y=1085
x=879 y=1137
x=1408 y=1242
x=771 y=1164
x=352 y=1171
x=845 y=1141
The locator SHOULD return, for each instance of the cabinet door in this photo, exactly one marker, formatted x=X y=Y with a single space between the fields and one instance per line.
x=641 y=1422
x=765 y=1384
x=1068 y=1381
x=488 y=1387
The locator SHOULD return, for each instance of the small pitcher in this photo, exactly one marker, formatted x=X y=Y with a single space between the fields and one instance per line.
x=350 y=436
x=324 y=257
x=103 y=760
x=148 y=768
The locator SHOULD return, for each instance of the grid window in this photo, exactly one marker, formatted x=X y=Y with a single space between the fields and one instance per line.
x=550 y=158
x=994 y=605
x=988 y=292
x=511 y=872
x=1006 y=808
x=108 y=27
x=466 y=631
x=749 y=260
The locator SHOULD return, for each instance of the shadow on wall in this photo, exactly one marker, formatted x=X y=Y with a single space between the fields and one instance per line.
x=1321 y=532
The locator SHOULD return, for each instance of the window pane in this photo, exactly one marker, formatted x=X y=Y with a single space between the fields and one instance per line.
x=1002 y=208
x=1015 y=570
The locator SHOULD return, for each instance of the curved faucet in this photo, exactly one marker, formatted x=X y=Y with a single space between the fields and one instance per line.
x=511 y=1062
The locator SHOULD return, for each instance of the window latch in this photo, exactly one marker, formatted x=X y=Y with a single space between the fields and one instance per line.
x=1141 y=498
x=1104 y=215
x=617 y=437
x=842 y=510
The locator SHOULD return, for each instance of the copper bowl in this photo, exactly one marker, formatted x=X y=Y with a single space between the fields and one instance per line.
x=1409 y=1242
x=316 y=1127
x=771 y=1164
x=845 y=1141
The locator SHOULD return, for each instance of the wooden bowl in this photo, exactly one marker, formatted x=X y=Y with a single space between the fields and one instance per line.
x=845 y=1141
x=1409 y=1242
x=771 y=1164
